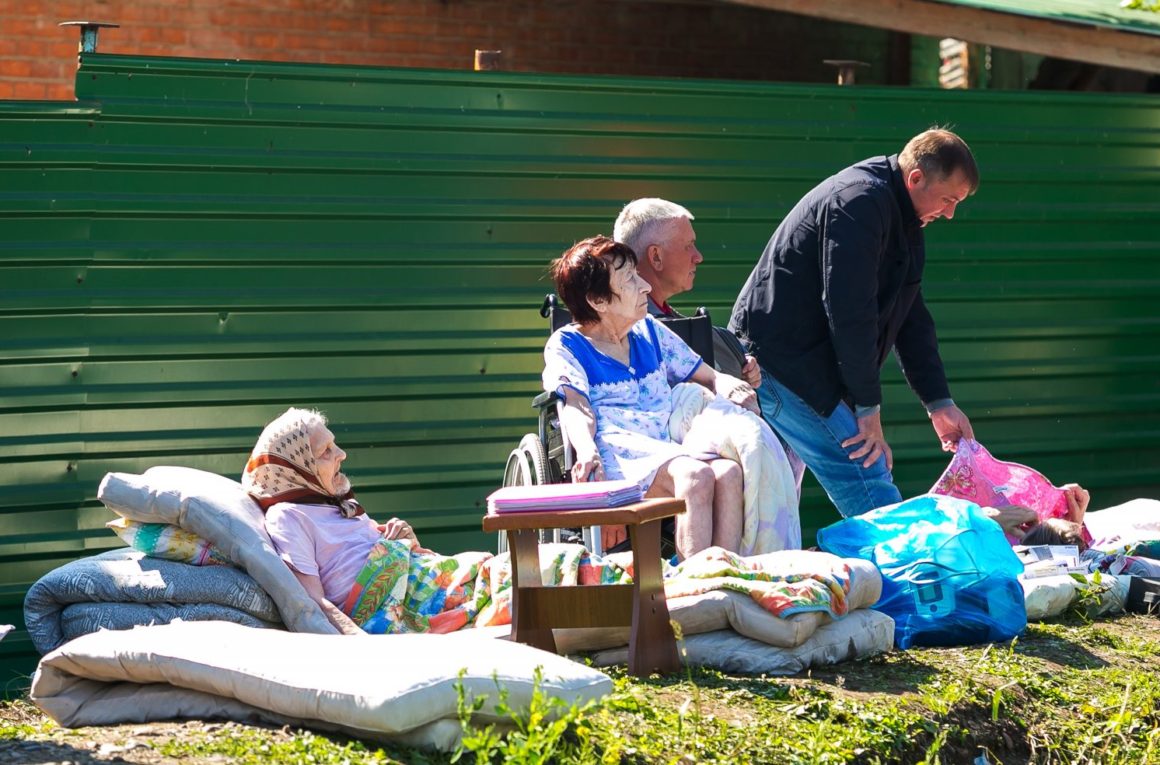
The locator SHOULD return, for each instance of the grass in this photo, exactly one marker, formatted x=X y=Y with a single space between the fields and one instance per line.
x=1066 y=692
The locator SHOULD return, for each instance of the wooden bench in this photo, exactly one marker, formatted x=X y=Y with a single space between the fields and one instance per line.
x=538 y=609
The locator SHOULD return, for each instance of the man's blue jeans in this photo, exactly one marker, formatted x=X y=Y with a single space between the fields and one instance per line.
x=818 y=441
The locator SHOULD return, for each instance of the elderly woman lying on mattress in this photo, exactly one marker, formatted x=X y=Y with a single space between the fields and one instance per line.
x=1033 y=511
x=320 y=530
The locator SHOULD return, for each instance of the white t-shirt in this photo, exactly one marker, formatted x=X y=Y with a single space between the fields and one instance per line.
x=316 y=540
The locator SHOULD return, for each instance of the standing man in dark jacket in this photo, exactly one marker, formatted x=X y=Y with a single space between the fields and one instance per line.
x=837 y=287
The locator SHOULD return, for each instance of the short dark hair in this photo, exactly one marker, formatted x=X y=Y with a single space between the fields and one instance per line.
x=939 y=153
x=1055 y=531
x=584 y=272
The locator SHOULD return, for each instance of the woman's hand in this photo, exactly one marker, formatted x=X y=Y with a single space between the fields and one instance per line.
x=1015 y=519
x=578 y=422
x=397 y=529
x=737 y=391
x=1077 y=502
x=587 y=467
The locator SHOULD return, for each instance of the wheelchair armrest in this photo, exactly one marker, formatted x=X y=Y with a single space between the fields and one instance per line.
x=547 y=398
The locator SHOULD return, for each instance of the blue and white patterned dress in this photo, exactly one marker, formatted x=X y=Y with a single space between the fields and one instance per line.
x=632 y=403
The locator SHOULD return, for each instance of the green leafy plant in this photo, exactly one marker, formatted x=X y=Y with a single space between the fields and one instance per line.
x=547 y=730
x=1089 y=594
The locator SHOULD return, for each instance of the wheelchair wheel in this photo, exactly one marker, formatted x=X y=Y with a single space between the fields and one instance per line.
x=527 y=465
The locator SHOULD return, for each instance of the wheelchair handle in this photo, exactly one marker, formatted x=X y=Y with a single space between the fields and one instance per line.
x=549 y=304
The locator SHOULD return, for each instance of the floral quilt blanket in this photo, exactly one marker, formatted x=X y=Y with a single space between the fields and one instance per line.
x=403 y=588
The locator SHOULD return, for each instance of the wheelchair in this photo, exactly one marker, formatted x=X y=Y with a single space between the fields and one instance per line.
x=545 y=457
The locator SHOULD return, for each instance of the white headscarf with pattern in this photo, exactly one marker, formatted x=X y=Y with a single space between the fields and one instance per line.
x=282 y=466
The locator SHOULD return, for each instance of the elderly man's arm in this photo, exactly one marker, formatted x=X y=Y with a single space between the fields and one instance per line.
x=726 y=386
x=313 y=587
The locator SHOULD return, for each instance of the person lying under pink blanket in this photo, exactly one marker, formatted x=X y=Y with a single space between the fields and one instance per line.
x=1023 y=524
x=1114 y=554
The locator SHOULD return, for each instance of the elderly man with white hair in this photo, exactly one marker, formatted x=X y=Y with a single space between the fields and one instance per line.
x=661 y=234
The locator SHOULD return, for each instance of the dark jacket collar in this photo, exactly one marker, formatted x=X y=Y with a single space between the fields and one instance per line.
x=905 y=205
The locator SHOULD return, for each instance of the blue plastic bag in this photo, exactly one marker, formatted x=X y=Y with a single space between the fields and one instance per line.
x=949 y=576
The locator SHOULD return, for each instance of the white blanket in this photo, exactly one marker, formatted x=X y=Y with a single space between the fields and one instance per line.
x=1137 y=520
x=704 y=423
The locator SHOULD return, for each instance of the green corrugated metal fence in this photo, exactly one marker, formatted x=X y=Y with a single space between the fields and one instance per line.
x=195 y=245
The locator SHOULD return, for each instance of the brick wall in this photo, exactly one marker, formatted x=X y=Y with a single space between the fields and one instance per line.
x=693 y=38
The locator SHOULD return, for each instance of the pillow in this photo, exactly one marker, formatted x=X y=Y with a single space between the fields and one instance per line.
x=1048 y=596
x=163 y=540
x=218 y=510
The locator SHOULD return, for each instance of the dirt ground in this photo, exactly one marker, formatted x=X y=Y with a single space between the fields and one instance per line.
x=112 y=744
x=140 y=743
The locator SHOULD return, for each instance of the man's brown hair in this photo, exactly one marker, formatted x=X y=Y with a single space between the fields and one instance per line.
x=939 y=153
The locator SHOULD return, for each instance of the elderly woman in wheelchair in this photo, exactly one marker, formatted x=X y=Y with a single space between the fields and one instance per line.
x=615 y=369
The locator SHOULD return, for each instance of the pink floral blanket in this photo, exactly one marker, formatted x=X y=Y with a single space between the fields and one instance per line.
x=976 y=476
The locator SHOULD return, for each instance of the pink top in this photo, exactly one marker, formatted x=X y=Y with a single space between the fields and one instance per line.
x=316 y=540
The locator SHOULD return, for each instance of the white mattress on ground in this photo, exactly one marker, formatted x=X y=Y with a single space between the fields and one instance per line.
x=394 y=687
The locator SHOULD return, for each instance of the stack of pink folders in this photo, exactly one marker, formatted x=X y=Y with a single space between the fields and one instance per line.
x=564 y=496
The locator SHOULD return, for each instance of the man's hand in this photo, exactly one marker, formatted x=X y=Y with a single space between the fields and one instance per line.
x=737 y=391
x=751 y=372
x=873 y=442
x=587 y=467
x=950 y=424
